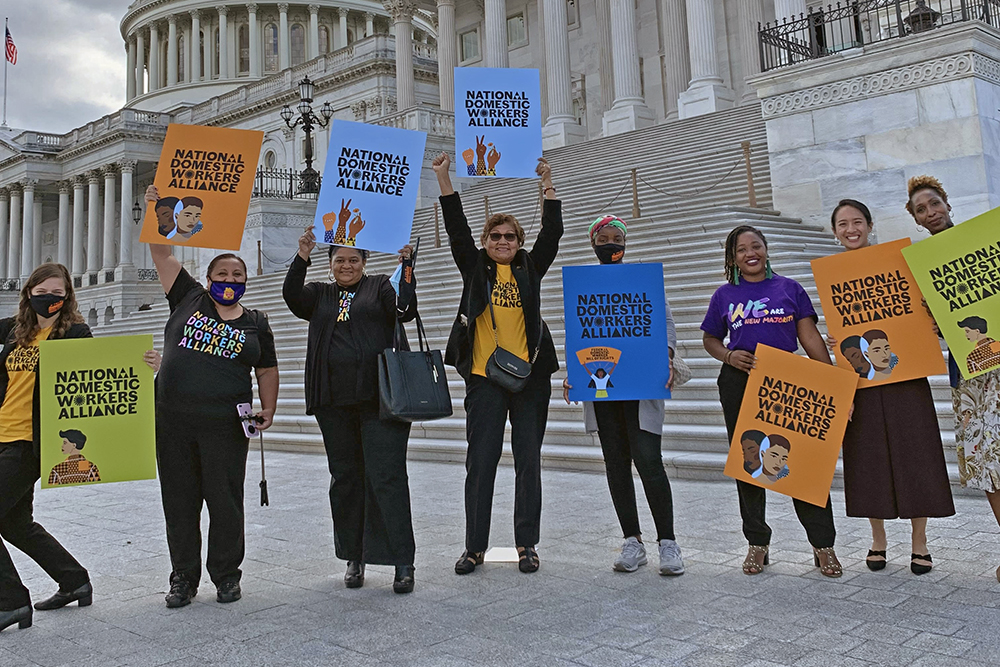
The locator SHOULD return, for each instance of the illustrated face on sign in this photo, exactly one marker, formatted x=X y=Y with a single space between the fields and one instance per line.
x=164 y=209
x=190 y=215
x=879 y=352
x=751 y=454
x=775 y=457
x=68 y=448
x=973 y=335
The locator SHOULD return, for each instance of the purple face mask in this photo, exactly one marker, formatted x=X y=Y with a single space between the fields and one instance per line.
x=226 y=294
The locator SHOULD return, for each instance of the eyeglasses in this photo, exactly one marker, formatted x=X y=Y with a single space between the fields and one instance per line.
x=509 y=237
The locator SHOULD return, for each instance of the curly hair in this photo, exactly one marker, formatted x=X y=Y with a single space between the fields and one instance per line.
x=918 y=183
x=498 y=219
x=26 y=323
x=731 y=248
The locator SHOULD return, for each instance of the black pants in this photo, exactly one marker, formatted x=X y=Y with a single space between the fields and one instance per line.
x=202 y=461
x=369 y=488
x=818 y=521
x=623 y=442
x=487 y=407
x=18 y=472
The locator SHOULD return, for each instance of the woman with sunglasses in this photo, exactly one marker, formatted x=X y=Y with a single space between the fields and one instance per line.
x=500 y=317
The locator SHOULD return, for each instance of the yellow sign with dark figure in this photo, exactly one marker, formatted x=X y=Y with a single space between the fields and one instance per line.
x=204 y=180
x=791 y=425
x=873 y=308
x=97 y=420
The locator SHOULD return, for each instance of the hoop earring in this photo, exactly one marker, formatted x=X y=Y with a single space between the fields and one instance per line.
x=837 y=241
x=768 y=273
x=329 y=276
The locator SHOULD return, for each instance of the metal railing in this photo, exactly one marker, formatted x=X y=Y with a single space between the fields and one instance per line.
x=10 y=284
x=852 y=24
x=279 y=184
x=147 y=275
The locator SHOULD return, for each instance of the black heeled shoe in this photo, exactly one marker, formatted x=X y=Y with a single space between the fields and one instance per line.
x=403 y=583
x=20 y=616
x=84 y=595
x=468 y=561
x=355 y=575
x=875 y=565
x=919 y=568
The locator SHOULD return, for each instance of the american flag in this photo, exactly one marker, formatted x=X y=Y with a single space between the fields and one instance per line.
x=11 y=49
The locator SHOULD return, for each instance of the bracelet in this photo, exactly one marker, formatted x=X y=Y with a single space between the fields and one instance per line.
x=547 y=189
x=726 y=359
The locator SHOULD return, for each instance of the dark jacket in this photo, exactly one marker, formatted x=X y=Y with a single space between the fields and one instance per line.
x=373 y=317
x=79 y=330
x=479 y=274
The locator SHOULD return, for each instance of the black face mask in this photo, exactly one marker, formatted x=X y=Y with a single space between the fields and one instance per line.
x=47 y=305
x=610 y=253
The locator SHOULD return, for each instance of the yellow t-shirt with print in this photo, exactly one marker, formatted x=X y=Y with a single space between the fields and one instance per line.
x=15 y=413
x=510 y=323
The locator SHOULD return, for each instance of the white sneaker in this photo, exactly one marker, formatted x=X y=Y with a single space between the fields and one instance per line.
x=670 y=558
x=632 y=556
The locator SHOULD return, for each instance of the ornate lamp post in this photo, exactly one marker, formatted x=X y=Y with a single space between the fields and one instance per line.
x=308 y=120
x=922 y=18
x=136 y=212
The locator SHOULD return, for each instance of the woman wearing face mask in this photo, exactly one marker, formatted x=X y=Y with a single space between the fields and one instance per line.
x=351 y=321
x=751 y=286
x=630 y=432
x=47 y=311
x=500 y=316
x=894 y=463
x=210 y=345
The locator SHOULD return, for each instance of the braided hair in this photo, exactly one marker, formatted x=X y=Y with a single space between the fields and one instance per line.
x=731 y=241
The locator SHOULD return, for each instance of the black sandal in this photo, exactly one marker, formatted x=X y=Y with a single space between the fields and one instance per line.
x=527 y=559
x=920 y=568
x=468 y=561
x=875 y=565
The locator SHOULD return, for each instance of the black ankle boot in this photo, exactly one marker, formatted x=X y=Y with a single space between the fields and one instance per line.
x=355 y=575
x=20 y=616
x=84 y=595
x=403 y=583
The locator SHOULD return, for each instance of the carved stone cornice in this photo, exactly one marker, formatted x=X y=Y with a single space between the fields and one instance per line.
x=4 y=194
x=28 y=184
x=252 y=7
x=222 y=9
x=400 y=9
x=195 y=14
x=79 y=181
x=127 y=166
x=282 y=7
x=14 y=189
x=94 y=177
x=314 y=9
x=109 y=171
x=343 y=12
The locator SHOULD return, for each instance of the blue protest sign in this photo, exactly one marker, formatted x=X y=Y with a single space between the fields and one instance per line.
x=498 y=122
x=370 y=185
x=616 y=332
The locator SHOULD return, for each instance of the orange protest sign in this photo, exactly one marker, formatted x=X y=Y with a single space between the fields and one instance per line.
x=873 y=309
x=204 y=180
x=791 y=425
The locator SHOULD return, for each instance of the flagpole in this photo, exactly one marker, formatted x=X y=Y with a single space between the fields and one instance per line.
x=4 y=123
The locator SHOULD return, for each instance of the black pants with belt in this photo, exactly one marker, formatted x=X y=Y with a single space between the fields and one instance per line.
x=487 y=408
x=818 y=521
x=623 y=442
x=369 y=487
x=202 y=461
x=18 y=473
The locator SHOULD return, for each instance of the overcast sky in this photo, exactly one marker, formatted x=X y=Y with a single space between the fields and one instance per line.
x=70 y=62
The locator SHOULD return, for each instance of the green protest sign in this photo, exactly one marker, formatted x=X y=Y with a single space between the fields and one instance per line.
x=97 y=420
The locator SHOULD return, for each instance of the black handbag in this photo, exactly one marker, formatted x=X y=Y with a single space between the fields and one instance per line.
x=506 y=369
x=412 y=386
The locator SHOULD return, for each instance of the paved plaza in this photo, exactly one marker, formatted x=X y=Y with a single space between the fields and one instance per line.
x=574 y=611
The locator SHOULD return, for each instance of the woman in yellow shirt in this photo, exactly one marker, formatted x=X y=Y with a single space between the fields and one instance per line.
x=47 y=311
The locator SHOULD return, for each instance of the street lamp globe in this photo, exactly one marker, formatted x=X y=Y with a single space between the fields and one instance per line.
x=327 y=110
x=286 y=113
x=306 y=90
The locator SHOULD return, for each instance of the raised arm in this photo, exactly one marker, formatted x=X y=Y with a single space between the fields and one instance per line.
x=546 y=247
x=299 y=297
x=167 y=266
x=463 y=246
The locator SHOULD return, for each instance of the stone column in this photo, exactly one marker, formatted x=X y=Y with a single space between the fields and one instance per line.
x=284 y=46
x=28 y=227
x=402 y=17
x=130 y=68
x=255 y=67
x=36 y=228
x=677 y=70
x=171 y=50
x=78 y=265
x=194 y=46
x=707 y=92
x=4 y=230
x=14 y=249
x=140 y=62
x=495 y=29
x=370 y=26
x=154 y=57
x=605 y=68
x=561 y=127
x=447 y=58
x=93 y=224
x=788 y=9
x=64 y=242
x=313 y=31
x=342 y=26
x=223 y=42
x=751 y=15
x=110 y=175
x=629 y=111
x=125 y=268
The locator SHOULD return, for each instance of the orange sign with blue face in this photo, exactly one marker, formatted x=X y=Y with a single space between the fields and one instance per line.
x=204 y=180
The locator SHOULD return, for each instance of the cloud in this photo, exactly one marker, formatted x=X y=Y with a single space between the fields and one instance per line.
x=71 y=63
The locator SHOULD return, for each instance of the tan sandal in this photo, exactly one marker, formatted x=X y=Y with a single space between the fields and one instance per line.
x=829 y=566
x=757 y=558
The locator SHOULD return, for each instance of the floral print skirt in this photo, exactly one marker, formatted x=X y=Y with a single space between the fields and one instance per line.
x=977 y=431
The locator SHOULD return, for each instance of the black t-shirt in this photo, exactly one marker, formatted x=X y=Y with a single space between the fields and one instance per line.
x=206 y=360
x=343 y=361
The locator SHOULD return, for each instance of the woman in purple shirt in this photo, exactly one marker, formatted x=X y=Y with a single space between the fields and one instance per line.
x=758 y=306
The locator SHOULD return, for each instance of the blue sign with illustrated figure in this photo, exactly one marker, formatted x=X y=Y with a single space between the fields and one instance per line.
x=370 y=185
x=616 y=332
x=498 y=122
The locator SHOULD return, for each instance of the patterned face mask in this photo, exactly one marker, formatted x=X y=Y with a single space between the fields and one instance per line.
x=346 y=298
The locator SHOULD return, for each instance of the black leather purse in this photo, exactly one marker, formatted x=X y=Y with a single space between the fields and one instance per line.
x=506 y=369
x=412 y=386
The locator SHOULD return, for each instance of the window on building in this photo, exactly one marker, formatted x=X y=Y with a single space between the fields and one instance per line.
x=350 y=36
x=469 y=45
x=572 y=14
x=517 y=31
x=298 y=43
x=181 y=58
x=270 y=48
x=215 y=66
x=164 y=52
x=201 y=47
x=324 y=39
x=270 y=160
x=244 y=40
